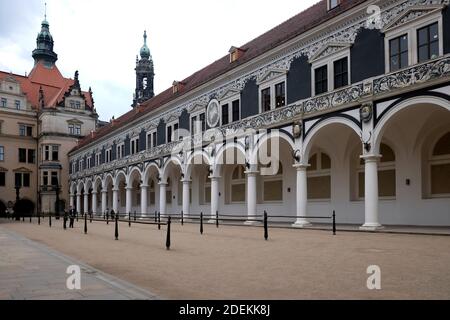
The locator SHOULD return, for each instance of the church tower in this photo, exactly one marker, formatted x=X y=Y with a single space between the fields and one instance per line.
x=44 y=49
x=144 y=75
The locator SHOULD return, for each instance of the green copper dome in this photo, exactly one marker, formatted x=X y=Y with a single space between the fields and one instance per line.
x=145 y=51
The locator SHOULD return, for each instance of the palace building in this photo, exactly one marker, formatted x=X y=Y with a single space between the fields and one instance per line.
x=345 y=107
x=42 y=117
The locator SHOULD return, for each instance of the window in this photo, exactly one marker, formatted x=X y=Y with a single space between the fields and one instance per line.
x=273 y=185
x=75 y=129
x=172 y=132
x=340 y=73
x=74 y=167
x=265 y=99
x=280 y=95
x=120 y=151
x=22 y=155
x=51 y=153
x=25 y=131
x=440 y=167
x=398 y=53
x=428 y=42
x=55 y=153
x=2 y=153
x=71 y=129
x=97 y=159
x=198 y=123
x=151 y=139
x=238 y=184
x=22 y=179
x=89 y=162
x=154 y=141
x=17 y=104
x=81 y=164
x=319 y=177
x=108 y=155
x=225 y=114
x=45 y=178
x=2 y=179
x=333 y=4
x=78 y=104
x=321 y=80
x=31 y=156
x=4 y=102
x=134 y=146
x=231 y=111
x=55 y=178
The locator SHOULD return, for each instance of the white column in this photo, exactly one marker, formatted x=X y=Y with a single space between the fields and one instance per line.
x=86 y=203
x=371 y=192
x=78 y=203
x=251 y=196
x=186 y=197
x=94 y=202
x=162 y=198
x=129 y=199
x=104 y=201
x=71 y=200
x=214 y=196
x=115 y=198
x=302 y=196
x=144 y=209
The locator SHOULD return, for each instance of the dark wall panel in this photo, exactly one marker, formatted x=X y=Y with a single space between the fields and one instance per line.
x=299 y=80
x=114 y=151
x=142 y=140
x=127 y=146
x=367 y=55
x=446 y=16
x=184 y=120
x=249 y=99
x=161 y=133
x=102 y=155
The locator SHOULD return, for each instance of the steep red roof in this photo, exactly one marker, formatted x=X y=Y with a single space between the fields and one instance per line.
x=53 y=84
x=302 y=22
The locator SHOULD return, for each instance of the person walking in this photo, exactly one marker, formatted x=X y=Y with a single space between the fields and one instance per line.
x=71 y=217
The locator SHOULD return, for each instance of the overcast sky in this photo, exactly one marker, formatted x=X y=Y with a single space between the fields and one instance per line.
x=102 y=38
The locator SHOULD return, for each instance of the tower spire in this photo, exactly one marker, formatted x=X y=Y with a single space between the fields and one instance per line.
x=144 y=75
x=45 y=14
x=44 y=44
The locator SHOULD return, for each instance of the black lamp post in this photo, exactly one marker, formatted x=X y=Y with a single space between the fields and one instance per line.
x=16 y=207
x=57 y=190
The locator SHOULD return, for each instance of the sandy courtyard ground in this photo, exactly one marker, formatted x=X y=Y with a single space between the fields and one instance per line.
x=236 y=262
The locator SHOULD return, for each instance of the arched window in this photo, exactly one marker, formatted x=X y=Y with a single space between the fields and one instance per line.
x=152 y=192
x=386 y=174
x=273 y=184
x=319 y=177
x=169 y=191
x=238 y=184
x=440 y=167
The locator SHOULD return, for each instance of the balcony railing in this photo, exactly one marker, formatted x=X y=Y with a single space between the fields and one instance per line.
x=392 y=83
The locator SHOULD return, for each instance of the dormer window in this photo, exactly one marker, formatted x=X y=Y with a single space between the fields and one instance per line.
x=177 y=86
x=235 y=53
x=333 y=4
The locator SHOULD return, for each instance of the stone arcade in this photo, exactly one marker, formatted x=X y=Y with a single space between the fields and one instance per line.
x=357 y=105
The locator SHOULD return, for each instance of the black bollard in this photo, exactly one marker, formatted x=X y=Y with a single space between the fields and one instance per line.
x=65 y=222
x=85 y=224
x=30 y=218
x=77 y=216
x=201 y=222
x=134 y=215
x=129 y=219
x=23 y=217
x=217 y=219
x=107 y=218
x=168 y=233
x=39 y=219
x=156 y=216
x=182 y=218
x=90 y=216
x=159 y=220
x=334 y=223
x=266 y=231
x=116 y=233
x=50 y=220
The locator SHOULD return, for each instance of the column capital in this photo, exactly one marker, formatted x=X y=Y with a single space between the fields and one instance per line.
x=115 y=189
x=301 y=166
x=104 y=191
x=129 y=188
x=94 y=192
x=214 y=177
x=186 y=181
x=163 y=183
x=251 y=172
x=143 y=186
x=372 y=157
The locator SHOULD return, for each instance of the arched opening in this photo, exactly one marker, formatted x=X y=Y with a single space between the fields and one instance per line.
x=439 y=166
x=24 y=207
x=134 y=182
x=121 y=185
x=237 y=190
x=272 y=185
x=319 y=176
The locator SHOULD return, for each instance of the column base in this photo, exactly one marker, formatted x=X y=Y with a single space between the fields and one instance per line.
x=371 y=227
x=212 y=221
x=252 y=223
x=301 y=223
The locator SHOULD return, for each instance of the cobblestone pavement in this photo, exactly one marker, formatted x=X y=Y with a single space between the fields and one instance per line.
x=30 y=270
